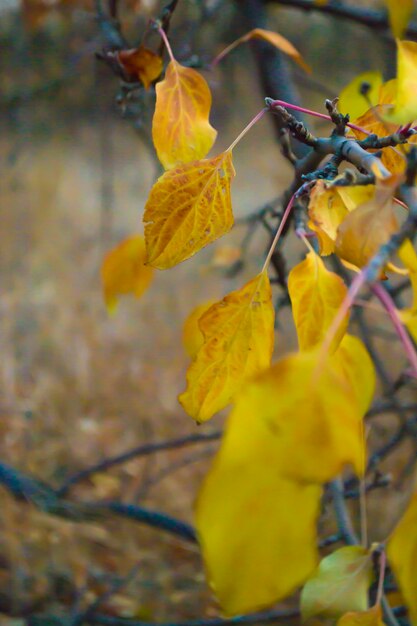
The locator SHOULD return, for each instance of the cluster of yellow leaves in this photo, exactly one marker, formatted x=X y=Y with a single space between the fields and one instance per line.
x=190 y=205
x=386 y=105
x=354 y=222
x=257 y=510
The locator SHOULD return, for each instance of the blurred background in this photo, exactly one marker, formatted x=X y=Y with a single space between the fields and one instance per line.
x=77 y=385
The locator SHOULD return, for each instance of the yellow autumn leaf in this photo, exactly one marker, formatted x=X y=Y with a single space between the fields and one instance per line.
x=405 y=109
x=124 y=271
x=340 y=583
x=329 y=206
x=399 y=12
x=278 y=41
x=181 y=130
x=368 y=227
x=192 y=337
x=257 y=531
x=355 y=365
x=316 y=296
x=408 y=315
x=371 y=617
x=188 y=207
x=353 y=101
x=142 y=63
x=238 y=342
x=306 y=410
x=402 y=555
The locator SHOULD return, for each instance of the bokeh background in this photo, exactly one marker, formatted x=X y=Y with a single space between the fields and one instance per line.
x=77 y=385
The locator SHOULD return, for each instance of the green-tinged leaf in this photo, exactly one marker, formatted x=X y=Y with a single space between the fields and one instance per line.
x=340 y=584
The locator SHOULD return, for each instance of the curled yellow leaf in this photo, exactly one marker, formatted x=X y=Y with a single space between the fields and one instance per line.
x=238 y=342
x=181 y=130
x=124 y=271
x=329 y=206
x=368 y=227
x=278 y=41
x=399 y=12
x=188 y=207
x=340 y=584
x=316 y=296
x=142 y=63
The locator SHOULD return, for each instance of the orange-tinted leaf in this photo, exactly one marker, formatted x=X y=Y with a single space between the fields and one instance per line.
x=366 y=228
x=340 y=584
x=316 y=296
x=123 y=271
x=238 y=342
x=329 y=206
x=188 y=208
x=180 y=128
x=142 y=63
x=192 y=337
x=371 y=617
x=402 y=555
x=399 y=15
x=352 y=101
x=279 y=42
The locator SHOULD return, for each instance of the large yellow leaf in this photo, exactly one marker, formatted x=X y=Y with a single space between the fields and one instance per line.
x=238 y=342
x=257 y=530
x=188 y=208
x=123 y=271
x=399 y=15
x=340 y=584
x=329 y=206
x=181 y=130
x=402 y=555
x=192 y=337
x=316 y=296
x=365 y=229
x=306 y=411
x=353 y=362
x=405 y=109
x=142 y=63
x=351 y=99
x=371 y=617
